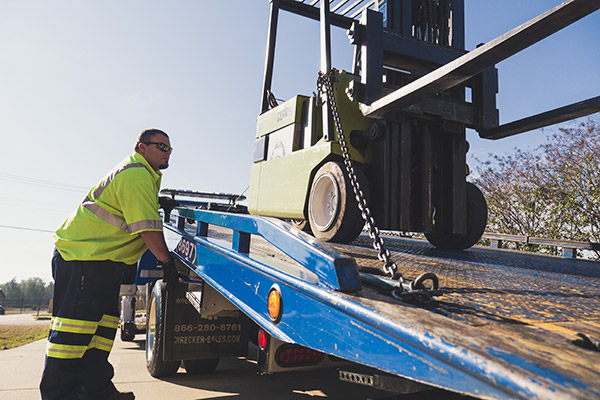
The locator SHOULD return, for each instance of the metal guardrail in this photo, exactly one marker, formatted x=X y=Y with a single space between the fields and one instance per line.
x=569 y=247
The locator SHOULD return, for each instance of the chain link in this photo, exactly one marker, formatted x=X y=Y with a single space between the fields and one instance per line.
x=325 y=85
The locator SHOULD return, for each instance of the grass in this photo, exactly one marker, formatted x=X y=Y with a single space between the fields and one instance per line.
x=12 y=336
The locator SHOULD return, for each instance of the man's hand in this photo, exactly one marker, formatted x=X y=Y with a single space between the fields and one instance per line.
x=167 y=203
x=170 y=274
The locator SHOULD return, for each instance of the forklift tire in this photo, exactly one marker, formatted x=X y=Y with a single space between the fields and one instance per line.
x=154 y=333
x=197 y=367
x=301 y=224
x=477 y=214
x=333 y=212
x=359 y=225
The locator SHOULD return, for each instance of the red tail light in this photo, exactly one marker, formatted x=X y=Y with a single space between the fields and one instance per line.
x=296 y=356
x=262 y=339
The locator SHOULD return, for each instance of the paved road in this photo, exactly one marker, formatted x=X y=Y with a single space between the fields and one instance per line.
x=23 y=319
x=21 y=368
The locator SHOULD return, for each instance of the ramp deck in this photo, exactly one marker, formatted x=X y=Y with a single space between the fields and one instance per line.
x=508 y=325
x=525 y=310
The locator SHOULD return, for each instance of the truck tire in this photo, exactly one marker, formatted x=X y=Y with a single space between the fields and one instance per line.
x=127 y=333
x=155 y=322
x=127 y=319
x=195 y=367
x=476 y=221
x=333 y=212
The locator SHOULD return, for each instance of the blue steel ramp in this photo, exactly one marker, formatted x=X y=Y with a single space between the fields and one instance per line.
x=506 y=326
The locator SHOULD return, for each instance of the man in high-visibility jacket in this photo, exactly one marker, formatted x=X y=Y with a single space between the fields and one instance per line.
x=116 y=222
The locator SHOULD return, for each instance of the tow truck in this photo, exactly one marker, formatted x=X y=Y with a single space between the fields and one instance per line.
x=488 y=323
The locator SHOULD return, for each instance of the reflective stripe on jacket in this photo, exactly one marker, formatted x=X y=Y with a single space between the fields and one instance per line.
x=106 y=225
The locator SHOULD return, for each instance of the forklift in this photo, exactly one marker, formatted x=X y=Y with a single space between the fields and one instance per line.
x=386 y=142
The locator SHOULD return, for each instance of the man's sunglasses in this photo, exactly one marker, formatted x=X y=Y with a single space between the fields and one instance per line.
x=164 y=147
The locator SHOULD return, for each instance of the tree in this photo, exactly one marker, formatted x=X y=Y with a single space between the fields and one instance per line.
x=573 y=173
x=12 y=290
x=34 y=292
x=552 y=191
x=29 y=293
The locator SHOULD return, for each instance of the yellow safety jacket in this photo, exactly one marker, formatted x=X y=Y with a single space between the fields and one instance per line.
x=107 y=224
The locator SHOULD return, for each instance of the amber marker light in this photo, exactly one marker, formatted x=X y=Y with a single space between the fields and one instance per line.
x=274 y=303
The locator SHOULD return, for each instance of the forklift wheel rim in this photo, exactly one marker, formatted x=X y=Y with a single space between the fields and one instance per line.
x=325 y=193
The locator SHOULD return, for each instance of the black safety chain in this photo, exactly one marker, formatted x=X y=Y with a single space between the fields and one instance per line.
x=324 y=85
x=406 y=290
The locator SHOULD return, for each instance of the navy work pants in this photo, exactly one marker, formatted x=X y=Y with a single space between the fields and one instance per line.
x=85 y=317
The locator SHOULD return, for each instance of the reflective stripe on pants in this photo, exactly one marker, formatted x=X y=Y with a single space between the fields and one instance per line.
x=84 y=324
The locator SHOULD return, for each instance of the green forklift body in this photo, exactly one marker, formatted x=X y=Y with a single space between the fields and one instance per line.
x=289 y=148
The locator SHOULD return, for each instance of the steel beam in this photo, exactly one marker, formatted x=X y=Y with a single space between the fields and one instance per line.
x=270 y=55
x=449 y=110
x=372 y=55
x=309 y=11
x=325 y=28
x=562 y=114
x=458 y=24
x=397 y=48
x=483 y=57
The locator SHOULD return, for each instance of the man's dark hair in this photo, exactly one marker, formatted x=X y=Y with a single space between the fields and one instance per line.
x=147 y=135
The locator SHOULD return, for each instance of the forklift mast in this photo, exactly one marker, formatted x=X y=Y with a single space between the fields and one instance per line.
x=412 y=72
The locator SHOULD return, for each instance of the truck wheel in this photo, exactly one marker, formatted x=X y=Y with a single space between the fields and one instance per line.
x=333 y=213
x=476 y=222
x=127 y=316
x=205 y=366
x=155 y=322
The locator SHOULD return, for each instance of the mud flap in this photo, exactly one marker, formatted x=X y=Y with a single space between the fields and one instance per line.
x=200 y=323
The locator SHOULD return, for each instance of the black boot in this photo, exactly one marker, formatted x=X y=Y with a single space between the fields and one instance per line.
x=121 y=396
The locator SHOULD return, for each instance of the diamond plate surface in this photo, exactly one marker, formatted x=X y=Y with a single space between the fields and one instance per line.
x=483 y=284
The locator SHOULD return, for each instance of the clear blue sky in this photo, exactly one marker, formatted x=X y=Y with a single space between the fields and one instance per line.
x=79 y=79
